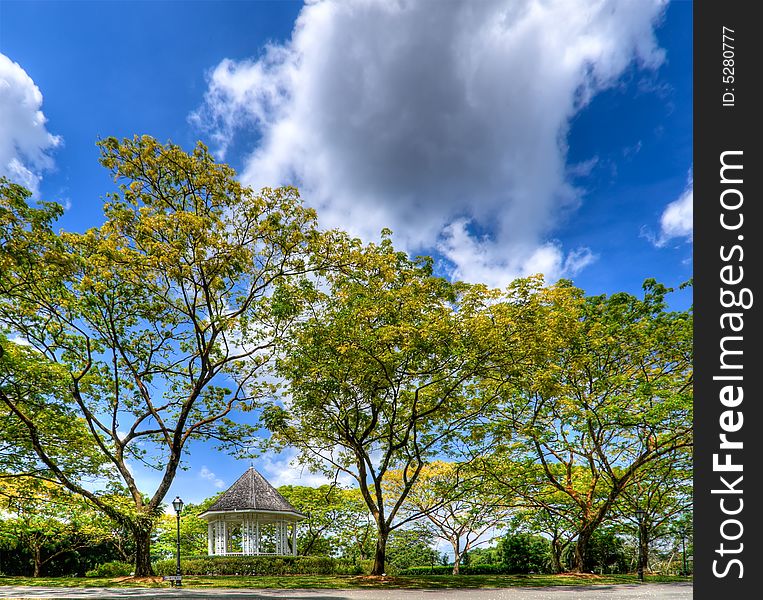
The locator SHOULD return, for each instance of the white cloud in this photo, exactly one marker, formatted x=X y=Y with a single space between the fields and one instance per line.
x=439 y=124
x=284 y=469
x=677 y=220
x=205 y=473
x=25 y=142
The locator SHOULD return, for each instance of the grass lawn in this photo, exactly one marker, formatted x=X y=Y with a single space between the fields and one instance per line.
x=344 y=582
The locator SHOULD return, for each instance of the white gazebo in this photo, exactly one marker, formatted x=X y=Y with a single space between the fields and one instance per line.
x=251 y=518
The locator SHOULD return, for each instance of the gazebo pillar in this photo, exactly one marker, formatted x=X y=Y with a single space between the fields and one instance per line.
x=294 y=539
x=257 y=536
x=246 y=537
x=210 y=538
x=221 y=539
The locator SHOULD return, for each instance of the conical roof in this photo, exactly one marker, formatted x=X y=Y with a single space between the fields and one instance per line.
x=252 y=492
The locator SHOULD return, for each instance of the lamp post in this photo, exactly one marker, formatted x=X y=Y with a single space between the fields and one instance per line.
x=177 y=504
x=682 y=533
x=640 y=568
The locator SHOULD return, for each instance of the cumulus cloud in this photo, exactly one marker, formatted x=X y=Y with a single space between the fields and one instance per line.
x=284 y=469
x=677 y=220
x=205 y=473
x=25 y=142
x=447 y=126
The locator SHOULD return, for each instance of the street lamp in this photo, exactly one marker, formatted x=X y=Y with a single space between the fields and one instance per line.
x=177 y=504
x=640 y=517
x=682 y=533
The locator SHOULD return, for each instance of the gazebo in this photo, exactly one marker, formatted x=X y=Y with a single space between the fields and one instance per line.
x=251 y=518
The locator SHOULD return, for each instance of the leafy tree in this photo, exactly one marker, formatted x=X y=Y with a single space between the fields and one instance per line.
x=551 y=514
x=607 y=552
x=320 y=505
x=412 y=547
x=483 y=556
x=663 y=491
x=153 y=328
x=355 y=535
x=338 y=521
x=193 y=531
x=377 y=377
x=457 y=505
x=524 y=553
x=680 y=542
x=25 y=233
x=611 y=395
x=46 y=521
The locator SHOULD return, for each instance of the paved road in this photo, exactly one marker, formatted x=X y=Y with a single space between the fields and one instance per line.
x=652 y=591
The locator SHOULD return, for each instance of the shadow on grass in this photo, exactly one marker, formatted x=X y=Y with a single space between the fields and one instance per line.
x=433 y=582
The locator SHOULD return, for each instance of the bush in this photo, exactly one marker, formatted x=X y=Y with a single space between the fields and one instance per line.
x=429 y=570
x=448 y=570
x=115 y=568
x=606 y=553
x=483 y=569
x=525 y=553
x=344 y=566
x=259 y=565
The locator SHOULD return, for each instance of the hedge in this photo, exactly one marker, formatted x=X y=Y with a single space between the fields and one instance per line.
x=448 y=570
x=259 y=565
x=114 y=568
x=436 y=570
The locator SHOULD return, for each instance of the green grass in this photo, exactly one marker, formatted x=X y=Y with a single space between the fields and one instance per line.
x=348 y=582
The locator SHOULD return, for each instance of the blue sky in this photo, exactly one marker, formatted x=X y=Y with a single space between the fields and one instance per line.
x=502 y=137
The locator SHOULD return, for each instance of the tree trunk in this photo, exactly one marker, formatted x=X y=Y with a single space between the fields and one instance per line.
x=456 y=556
x=644 y=547
x=37 y=561
x=556 y=556
x=142 y=535
x=583 y=551
x=456 y=564
x=381 y=553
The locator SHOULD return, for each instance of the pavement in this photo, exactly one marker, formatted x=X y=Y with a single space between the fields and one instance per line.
x=650 y=591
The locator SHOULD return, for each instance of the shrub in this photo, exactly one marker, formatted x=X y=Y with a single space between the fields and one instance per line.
x=257 y=565
x=343 y=566
x=115 y=568
x=606 y=553
x=428 y=570
x=525 y=553
x=448 y=570
x=483 y=569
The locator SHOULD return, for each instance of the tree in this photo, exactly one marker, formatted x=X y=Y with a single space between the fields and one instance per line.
x=610 y=395
x=483 y=556
x=31 y=382
x=459 y=508
x=607 y=551
x=338 y=521
x=25 y=233
x=193 y=531
x=553 y=515
x=412 y=547
x=47 y=521
x=154 y=326
x=377 y=376
x=355 y=530
x=663 y=491
x=524 y=553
